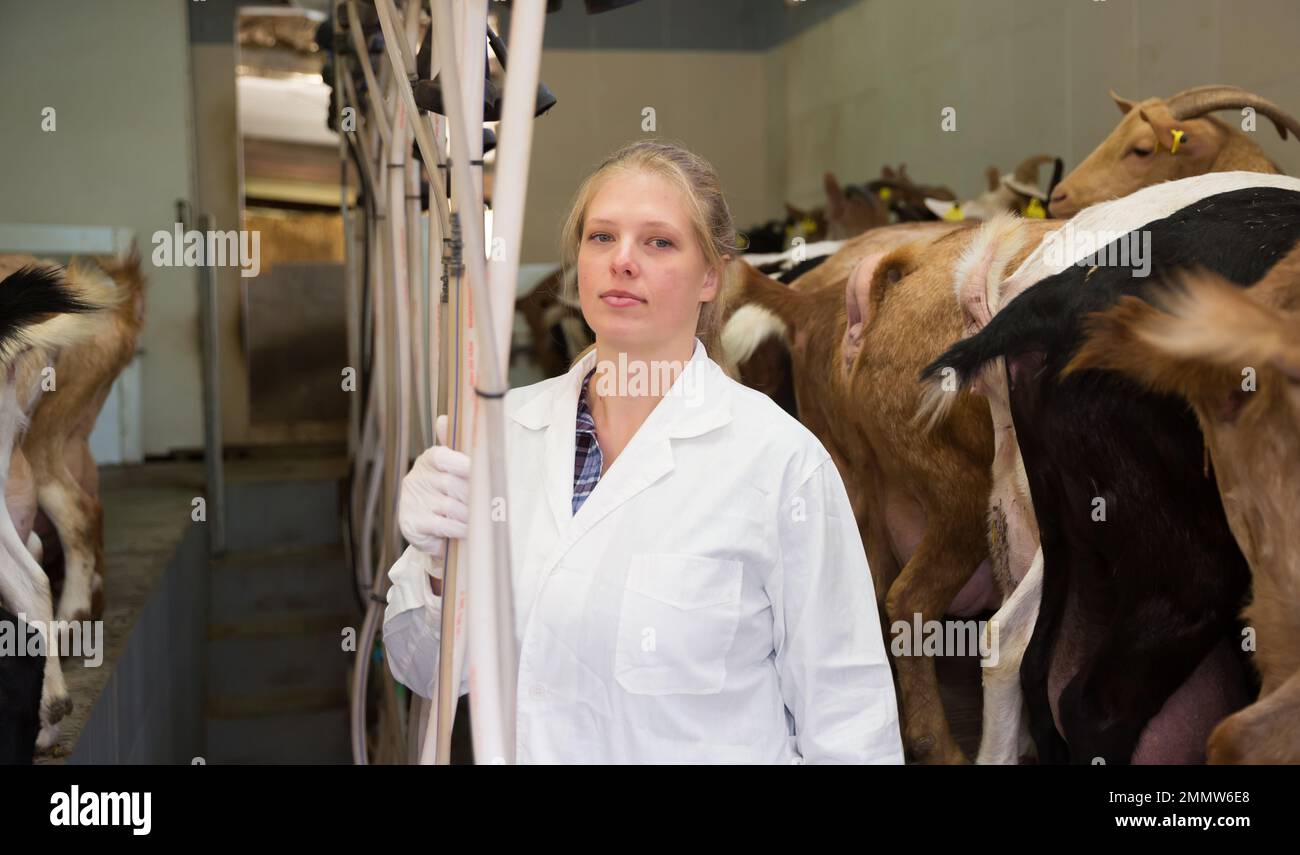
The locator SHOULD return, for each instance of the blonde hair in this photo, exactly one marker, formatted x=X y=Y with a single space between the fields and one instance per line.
x=711 y=222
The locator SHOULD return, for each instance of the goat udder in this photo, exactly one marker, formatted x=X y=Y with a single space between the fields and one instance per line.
x=1178 y=733
x=979 y=594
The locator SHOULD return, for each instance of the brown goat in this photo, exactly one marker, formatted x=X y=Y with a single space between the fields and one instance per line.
x=1161 y=139
x=851 y=213
x=1235 y=356
x=860 y=331
x=57 y=443
x=556 y=327
x=24 y=587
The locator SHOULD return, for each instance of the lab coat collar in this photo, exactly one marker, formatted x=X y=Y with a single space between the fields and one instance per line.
x=699 y=401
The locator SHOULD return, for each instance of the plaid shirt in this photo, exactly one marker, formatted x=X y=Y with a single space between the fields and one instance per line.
x=587 y=459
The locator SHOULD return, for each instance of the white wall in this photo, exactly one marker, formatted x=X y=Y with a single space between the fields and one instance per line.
x=714 y=102
x=117 y=74
x=866 y=86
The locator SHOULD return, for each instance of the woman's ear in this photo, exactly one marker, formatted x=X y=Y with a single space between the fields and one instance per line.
x=712 y=278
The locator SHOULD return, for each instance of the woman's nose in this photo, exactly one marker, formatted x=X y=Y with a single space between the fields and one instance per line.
x=624 y=262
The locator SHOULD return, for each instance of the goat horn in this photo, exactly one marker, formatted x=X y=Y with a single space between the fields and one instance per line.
x=1206 y=99
x=1027 y=171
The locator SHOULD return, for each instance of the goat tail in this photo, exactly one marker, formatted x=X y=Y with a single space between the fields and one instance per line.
x=34 y=303
x=1204 y=321
x=959 y=366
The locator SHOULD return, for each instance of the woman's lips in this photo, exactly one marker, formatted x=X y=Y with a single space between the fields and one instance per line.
x=620 y=301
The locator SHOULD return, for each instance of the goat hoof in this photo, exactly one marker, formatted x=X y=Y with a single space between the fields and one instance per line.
x=922 y=747
x=48 y=739
x=929 y=750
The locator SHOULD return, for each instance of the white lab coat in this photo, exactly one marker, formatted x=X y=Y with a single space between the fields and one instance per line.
x=709 y=602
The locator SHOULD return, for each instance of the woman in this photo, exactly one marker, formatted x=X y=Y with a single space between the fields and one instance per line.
x=690 y=585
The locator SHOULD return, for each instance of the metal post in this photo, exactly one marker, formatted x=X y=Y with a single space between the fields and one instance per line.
x=215 y=480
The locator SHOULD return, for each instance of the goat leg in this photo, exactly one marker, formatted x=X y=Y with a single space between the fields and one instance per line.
x=73 y=515
x=1264 y=732
x=1010 y=630
x=928 y=583
x=24 y=587
x=1036 y=662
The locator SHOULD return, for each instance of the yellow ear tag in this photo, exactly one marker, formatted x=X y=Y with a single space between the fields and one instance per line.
x=1178 y=138
x=807 y=225
x=1035 y=210
x=884 y=194
x=954 y=213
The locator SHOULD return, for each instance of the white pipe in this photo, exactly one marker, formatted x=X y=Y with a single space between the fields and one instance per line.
x=466 y=122
x=415 y=287
x=494 y=658
x=399 y=302
x=450 y=38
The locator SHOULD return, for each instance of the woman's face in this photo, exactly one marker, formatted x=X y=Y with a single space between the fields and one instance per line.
x=641 y=272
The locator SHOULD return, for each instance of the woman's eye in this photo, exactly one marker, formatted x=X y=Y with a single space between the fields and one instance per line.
x=661 y=243
x=596 y=236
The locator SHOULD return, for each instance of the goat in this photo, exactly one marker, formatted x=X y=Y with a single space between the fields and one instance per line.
x=57 y=445
x=851 y=211
x=766 y=366
x=1132 y=607
x=1016 y=192
x=857 y=328
x=906 y=198
x=550 y=320
x=848 y=212
x=1234 y=355
x=1013 y=531
x=38 y=310
x=1161 y=139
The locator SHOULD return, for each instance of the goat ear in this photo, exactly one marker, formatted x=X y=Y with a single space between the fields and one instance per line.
x=1125 y=105
x=832 y=186
x=1173 y=135
x=834 y=195
x=939 y=207
x=993 y=178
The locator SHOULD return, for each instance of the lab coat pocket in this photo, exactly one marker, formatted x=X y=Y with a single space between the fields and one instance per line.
x=677 y=623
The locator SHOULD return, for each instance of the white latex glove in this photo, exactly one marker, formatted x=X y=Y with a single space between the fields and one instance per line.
x=435 y=499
